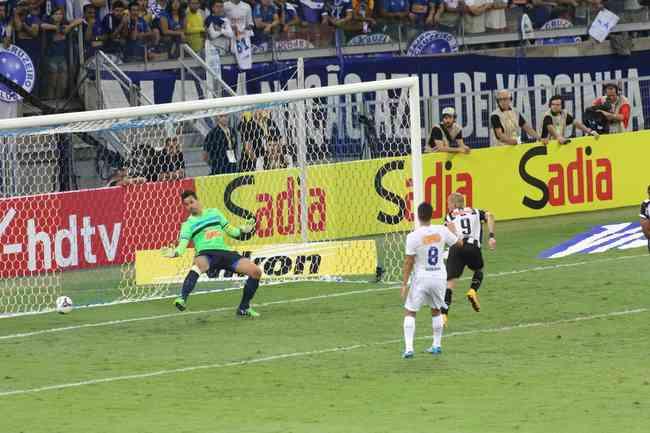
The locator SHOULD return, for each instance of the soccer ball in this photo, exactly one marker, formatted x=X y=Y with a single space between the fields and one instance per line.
x=64 y=305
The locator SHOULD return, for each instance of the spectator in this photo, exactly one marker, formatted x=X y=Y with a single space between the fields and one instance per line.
x=495 y=16
x=139 y=33
x=116 y=29
x=313 y=12
x=240 y=15
x=506 y=124
x=339 y=13
x=93 y=31
x=57 y=30
x=267 y=21
x=26 y=31
x=120 y=177
x=362 y=11
x=556 y=120
x=5 y=27
x=168 y=163
x=474 y=17
x=274 y=155
x=219 y=147
x=449 y=13
x=156 y=9
x=251 y=137
x=448 y=135
x=218 y=27
x=425 y=12
x=288 y=16
x=172 y=24
x=394 y=10
x=614 y=106
x=194 y=28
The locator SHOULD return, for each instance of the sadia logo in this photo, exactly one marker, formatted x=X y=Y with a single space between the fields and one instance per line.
x=436 y=190
x=17 y=66
x=582 y=180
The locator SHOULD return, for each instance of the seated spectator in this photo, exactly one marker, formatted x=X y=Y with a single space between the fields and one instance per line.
x=93 y=31
x=267 y=21
x=194 y=28
x=495 y=16
x=219 y=147
x=474 y=17
x=172 y=24
x=425 y=12
x=218 y=27
x=449 y=13
x=288 y=16
x=56 y=29
x=116 y=29
x=139 y=34
x=168 y=163
x=251 y=137
x=396 y=11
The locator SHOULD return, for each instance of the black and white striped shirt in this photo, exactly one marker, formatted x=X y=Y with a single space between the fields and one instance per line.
x=468 y=222
x=645 y=210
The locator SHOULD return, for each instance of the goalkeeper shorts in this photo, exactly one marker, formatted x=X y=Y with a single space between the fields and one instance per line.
x=220 y=260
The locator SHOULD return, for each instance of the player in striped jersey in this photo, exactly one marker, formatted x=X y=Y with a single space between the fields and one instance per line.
x=645 y=217
x=468 y=224
x=206 y=229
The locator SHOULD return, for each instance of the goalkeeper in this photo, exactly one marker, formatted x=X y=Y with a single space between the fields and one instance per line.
x=206 y=228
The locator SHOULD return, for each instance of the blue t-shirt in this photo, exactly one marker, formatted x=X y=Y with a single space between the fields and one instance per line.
x=135 y=48
x=340 y=8
x=394 y=6
x=423 y=5
x=311 y=11
x=265 y=13
x=97 y=35
x=172 y=24
x=290 y=12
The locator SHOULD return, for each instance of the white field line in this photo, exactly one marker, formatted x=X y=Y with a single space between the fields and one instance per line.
x=309 y=353
x=291 y=301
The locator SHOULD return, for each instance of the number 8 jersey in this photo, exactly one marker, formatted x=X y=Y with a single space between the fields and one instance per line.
x=427 y=244
x=468 y=222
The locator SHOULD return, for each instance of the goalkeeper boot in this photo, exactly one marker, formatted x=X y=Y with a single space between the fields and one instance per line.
x=249 y=312
x=434 y=350
x=180 y=304
x=472 y=297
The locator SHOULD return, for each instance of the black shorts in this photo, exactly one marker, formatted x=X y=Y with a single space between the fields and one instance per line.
x=468 y=255
x=220 y=260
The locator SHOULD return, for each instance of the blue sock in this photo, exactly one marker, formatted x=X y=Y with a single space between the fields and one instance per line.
x=189 y=283
x=249 y=291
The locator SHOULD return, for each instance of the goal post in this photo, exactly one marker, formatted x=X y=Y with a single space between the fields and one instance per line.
x=332 y=175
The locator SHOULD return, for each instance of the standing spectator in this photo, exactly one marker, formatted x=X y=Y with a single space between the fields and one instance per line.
x=448 y=135
x=362 y=11
x=156 y=9
x=474 y=16
x=5 y=27
x=172 y=24
x=240 y=15
x=339 y=13
x=93 y=31
x=219 y=147
x=116 y=29
x=218 y=27
x=506 y=124
x=267 y=21
x=313 y=12
x=449 y=13
x=57 y=30
x=139 y=33
x=274 y=154
x=425 y=12
x=251 y=137
x=288 y=16
x=615 y=107
x=194 y=28
x=26 y=30
x=394 y=10
x=495 y=16
x=168 y=163
x=556 y=120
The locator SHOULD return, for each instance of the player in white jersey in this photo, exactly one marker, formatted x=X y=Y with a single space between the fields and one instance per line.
x=468 y=224
x=424 y=251
x=645 y=218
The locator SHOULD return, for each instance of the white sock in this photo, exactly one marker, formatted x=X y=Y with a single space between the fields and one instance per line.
x=409 y=332
x=437 y=324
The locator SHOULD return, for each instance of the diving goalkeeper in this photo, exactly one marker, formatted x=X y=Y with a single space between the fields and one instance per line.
x=206 y=228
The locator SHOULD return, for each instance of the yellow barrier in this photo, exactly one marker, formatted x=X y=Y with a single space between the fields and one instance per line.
x=277 y=261
x=374 y=196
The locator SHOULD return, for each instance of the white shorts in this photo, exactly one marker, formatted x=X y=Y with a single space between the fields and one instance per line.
x=426 y=291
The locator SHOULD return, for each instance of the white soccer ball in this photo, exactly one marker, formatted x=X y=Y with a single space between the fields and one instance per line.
x=64 y=305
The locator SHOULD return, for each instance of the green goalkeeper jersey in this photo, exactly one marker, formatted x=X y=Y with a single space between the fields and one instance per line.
x=206 y=231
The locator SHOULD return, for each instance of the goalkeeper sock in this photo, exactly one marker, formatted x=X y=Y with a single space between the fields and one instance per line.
x=448 y=294
x=409 y=333
x=477 y=279
x=189 y=283
x=249 y=291
x=437 y=324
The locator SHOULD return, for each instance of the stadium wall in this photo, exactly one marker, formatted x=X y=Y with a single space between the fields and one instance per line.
x=91 y=228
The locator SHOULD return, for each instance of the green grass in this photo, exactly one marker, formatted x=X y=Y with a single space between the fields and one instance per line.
x=560 y=375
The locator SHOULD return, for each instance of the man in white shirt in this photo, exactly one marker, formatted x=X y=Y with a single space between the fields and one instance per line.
x=240 y=15
x=424 y=258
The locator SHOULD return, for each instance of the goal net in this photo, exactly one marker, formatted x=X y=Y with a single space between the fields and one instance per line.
x=326 y=173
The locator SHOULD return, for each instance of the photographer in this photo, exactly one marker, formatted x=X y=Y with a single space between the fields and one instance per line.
x=614 y=107
x=556 y=120
x=448 y=135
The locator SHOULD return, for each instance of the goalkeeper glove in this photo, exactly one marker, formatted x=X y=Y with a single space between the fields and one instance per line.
x=168 y=252
x=248 y=226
